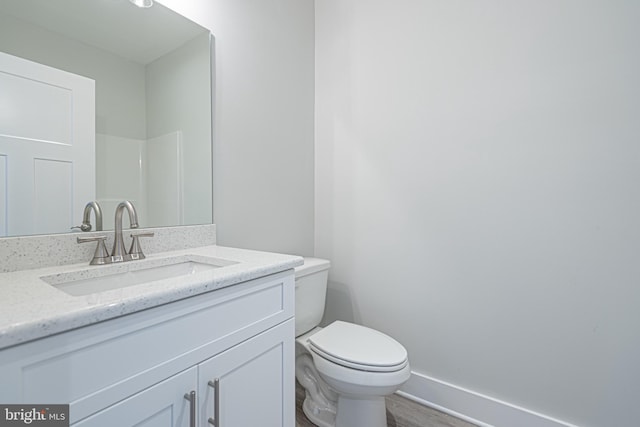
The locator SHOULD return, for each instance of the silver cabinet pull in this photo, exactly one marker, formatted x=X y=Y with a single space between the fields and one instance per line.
x=215 y=421
x=191 y=397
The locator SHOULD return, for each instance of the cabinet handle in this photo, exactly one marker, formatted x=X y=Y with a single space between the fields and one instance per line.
x=191 y=397
x=215 y=421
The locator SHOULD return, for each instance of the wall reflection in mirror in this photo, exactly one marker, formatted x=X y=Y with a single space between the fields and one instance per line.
x=141 y=132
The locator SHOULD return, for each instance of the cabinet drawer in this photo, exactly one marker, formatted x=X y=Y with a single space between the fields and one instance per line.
x=96 y=366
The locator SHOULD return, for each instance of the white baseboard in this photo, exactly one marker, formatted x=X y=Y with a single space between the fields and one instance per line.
x=473 y=407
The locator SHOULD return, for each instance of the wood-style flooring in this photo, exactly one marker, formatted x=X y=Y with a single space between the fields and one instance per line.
x=401 y=412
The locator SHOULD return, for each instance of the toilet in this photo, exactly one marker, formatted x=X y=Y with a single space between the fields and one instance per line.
x=345 y=369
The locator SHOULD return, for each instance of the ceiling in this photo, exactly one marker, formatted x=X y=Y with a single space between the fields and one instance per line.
x=143 y=34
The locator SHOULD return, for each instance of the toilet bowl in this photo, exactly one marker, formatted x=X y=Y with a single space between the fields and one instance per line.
x=345 y=369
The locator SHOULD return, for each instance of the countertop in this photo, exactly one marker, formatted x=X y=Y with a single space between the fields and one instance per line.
x=30 y=308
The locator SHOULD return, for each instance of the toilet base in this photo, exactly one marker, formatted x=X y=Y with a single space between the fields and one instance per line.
x=321 y=417
x=326 y=408
x=320 y=401
x=354 y=412
x=351 y=412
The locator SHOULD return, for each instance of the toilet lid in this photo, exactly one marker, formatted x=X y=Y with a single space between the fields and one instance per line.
x=359 y=347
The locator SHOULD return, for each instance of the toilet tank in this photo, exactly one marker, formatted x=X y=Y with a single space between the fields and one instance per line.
x=311 y=293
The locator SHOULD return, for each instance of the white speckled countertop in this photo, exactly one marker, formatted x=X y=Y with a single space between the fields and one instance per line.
x=30 y=308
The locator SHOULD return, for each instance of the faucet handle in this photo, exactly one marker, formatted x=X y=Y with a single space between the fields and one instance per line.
x=101 y=255
x=136 y=251
x=82 y=227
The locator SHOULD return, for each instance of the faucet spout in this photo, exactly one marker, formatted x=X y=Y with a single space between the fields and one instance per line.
x=86 y=218
x=119 y=252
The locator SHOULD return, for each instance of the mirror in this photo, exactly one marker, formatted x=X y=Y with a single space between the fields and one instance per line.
x=153 y=108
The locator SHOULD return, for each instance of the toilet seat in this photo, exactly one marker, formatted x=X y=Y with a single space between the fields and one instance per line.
x=358 y=347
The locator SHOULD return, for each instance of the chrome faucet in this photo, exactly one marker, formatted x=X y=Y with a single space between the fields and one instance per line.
x=86 y=217
x=119 y=253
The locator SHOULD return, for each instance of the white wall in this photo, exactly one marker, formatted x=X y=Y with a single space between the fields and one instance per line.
x=263 y=151
x=477 y=190
x=179 y=99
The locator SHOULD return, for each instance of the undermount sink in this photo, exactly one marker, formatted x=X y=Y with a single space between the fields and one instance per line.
x=100 y=279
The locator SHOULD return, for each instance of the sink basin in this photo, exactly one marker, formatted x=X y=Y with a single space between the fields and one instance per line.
x=116 y=276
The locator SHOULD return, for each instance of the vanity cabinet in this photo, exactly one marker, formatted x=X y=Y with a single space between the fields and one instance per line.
x=233 y=347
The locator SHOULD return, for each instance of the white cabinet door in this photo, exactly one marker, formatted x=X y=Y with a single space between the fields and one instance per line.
x=162 y=405
x=254 y=381
x=47 y=147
